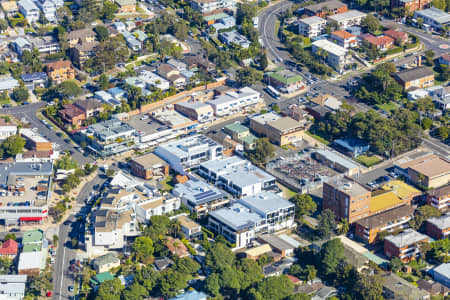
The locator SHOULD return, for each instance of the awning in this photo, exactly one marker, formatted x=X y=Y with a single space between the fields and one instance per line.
x=30 y=218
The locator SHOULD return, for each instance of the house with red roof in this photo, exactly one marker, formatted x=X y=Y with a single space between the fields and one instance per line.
x=9 y=248
x=382 y=42
x=399 y=37
x=343 y=38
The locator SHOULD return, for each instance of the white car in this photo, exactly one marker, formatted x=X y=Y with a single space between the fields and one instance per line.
x=145 y=117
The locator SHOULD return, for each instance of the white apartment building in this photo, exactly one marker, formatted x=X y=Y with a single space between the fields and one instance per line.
x=251 y=216
x=237 y=176
x=433 y=17
x=312 y=26
x=348 y=19
x=235 y=101
x=337 y=55
x=210 y=6
x=189 y=152
x=7 y=129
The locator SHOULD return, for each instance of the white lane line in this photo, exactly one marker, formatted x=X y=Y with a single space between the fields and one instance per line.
x=62 y=270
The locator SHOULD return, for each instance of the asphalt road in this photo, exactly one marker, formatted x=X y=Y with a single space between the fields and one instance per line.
x=28 y=112
x=62 y=278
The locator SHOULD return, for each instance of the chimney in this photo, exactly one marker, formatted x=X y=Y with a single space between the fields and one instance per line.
x=419 y=60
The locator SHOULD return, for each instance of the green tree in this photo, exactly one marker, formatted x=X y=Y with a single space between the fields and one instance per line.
x=103 y=82
x=264 y=150
x=229 y=280
x=159 y=226
x=171 y=282
x=327 y=223
x=331 y=254
x=110 y=290
x=439 y=4
x=109 y=10
x=10 y=236
x=6 y=264
x=68 y=88
x=20 y=94
x=309 y=273
x=273 y=288
x=369 y=287
x=304 y=205
x=65 y=162
x=443 y=132
x=371 y=23
x=427 y=123
x=102 y=33
x=219 y=257
x=143 y=249
x=13 y=145
x=3 y=25
x=250 y=273
x=135 y=291
x=213 y=285
x=110 y=172
x=248 y=76
x=423 y=213
x=186 y=265
x=343 y=226
x=264 y=63
x=395 y=264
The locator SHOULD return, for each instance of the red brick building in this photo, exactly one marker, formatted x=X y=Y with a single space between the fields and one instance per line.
x=439 y=198
x=410 y=6
x=404 y=245
x=149 y=165
x=382 y=42
x=72 y=115
x=327 y=8
x=439 y=228
x=399 y=37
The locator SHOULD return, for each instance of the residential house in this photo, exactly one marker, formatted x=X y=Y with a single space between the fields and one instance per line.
x=176 y=247
x=441 y=274
x=126 y=6
x=117 y=93
x=21 y=44
x=46 y=44
x=132 y=42
x=195 y=62
x=8 y=84
x=399 y=37
x=72 y=115
x=328 y=101
x=190 y=229
x=224 y=22
x=252 y=216
x=404 y=245
x=200 y=197
x=381 y=42
x=162 y=263
x=277 y=244
x=237 y=176
x=9 y=249
x=285 y=81
x=336 y=56
x=396 y=218
x=438 y=227
x=209 y=7
x=35 y=80
x=10 y=8
x=241 y=134
x=433 y=17
x=29 y=10
x=231 y=38
x=347 y=19
x=90 y=108
x=410 y=6
x=149 y=165
x=395 y=287
x=327 y=8
x=441 y=97
x=48 y=9
x=172 y=74
x=60 y=71
x=352 y=146
x=312 y=26
x=343 y=38
x=7 y=129
x=106 y=262
x=439 y=197
x=420 y=77
x=179 y=65
x=433 y=287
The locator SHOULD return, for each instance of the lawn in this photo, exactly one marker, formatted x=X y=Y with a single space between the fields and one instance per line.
x=5 y=101
x=166 y=184
x=318 y=138
x=388 y=107
x=368 y=161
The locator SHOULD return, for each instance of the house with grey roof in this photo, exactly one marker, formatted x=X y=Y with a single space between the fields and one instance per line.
x=8 y=83
x=29 y=10
x=395 y=287
x=12 y=287
x=441 y=274
x=48 y=9
x=433 y=17
x=106 y=262
x=22 y=44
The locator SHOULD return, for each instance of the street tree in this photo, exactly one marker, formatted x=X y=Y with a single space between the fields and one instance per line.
x=304 y=205
x=331 y=254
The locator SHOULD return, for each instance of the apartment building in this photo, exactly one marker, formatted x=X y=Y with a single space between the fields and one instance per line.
x=208 y=7
x=34 y=141
x=439 y=198
x=237 y=176
x=336 y=55
x=48 y=9
x=189 y=152
x=410 y=6
x=110 y=137
x=438 y=227
x=279 y=130
x=404 y=245
x=45 y=44
x=367 y=229
x=200 y=197
x=235 y=101
x=190 y=229
x=420 y=77
x=60 y=71
x=72 y=115
x=312 y=26
x=346 y=198
x=344 y=39
x=148 y=166
x=327 y=8
x=7 y=129
x=252 y=216
x=348 y=19
x=29 y=10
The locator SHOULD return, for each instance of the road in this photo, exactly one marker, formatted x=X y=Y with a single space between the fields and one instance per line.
x=62 y=278
x=28 y=112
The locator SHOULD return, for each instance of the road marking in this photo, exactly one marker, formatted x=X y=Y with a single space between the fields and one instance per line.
x=62 y=270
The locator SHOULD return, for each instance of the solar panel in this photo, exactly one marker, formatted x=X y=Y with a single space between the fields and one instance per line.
x=204 y=195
